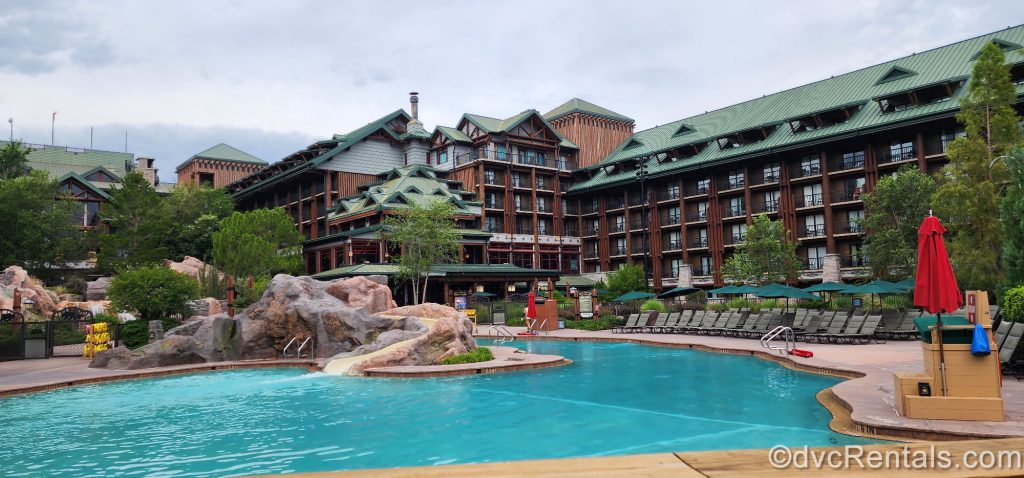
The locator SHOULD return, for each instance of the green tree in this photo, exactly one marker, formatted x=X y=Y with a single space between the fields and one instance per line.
x=628 y=278
x=972 y=184
x=13 y=160
x=155 y=292
x=1012 y=215
x=195 y=213
x=892 y=214
x=37 y=226
x=138 y=222
x=262 y=242
x=765 y=256
x=427 y=234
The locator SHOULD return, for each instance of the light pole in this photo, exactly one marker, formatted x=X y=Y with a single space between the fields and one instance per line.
x=641 y=176
x=11 y=121
x=53 y=122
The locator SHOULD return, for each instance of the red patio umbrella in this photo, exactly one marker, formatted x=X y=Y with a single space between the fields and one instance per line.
x=531 y=311
x=935 y=287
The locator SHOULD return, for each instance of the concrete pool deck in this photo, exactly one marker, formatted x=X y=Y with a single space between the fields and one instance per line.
x=868 y=394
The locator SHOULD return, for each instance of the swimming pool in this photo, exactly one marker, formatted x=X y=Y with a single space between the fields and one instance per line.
x=615 y=399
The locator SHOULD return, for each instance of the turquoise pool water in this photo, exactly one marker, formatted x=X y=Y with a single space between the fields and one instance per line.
x=615 y=399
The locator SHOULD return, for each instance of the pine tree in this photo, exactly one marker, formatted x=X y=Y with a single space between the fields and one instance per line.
x=262 y=242
x=972 y=185
x=137 y=222
x=1012 y=215
x=13 y=160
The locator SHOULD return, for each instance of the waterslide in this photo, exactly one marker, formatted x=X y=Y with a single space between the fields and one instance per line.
x=342 y=365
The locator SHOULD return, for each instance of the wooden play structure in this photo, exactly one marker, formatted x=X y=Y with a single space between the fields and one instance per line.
x=969 y=387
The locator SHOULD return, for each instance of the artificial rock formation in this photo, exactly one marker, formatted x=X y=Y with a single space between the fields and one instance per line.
x=291 y=307
x=449 y=336
x=189 y=266
x=15 y=277
x=97 y=289
x=427 y=310
x=363 y=292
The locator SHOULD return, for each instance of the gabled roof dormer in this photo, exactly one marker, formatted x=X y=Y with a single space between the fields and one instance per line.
x=1003 y=44
x=895 y=73
x=632 y=143
x=683 y=129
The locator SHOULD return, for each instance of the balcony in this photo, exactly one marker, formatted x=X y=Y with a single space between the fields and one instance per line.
x=543 y=230
x=699 y=216
x=734 y=211
x=495 y=204
x=617 y=251
x=592 y=254
x=697 y=243
x=638 y=248
x=814 y=230
x=805 y=170
x=521 y=182
x=668 y=194
x=545 y=185
x=637 y=200
x=570 y=230
x=846 y=163
x=616 y=227
x=770 y=177
x=615 y=203
x=702 y=271
x=672 y=245
x=524 y=206
x=570 y=209
x=638 y=225
x=494 y=180
x=589 y=207
x=506 y=157
x=937 y=145
x=846 y=195
x=847 y=227
x=855 y=260
x=696 y=189
x=808 y=200
x=545 y=208
x=897 y=154
x=670 y=220
x=524 y=229
x=767 y=206
x=734 y=238
x=813 y=264
x=590 y=231
x=497 y=228
x=736 y=182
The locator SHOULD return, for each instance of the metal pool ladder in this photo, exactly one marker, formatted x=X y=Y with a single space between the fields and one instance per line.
x=500 y=334
x=298 y=351
x=782 y=333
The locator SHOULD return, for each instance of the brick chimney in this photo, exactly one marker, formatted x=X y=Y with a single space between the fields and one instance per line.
x=414 y=125
x=145 y=166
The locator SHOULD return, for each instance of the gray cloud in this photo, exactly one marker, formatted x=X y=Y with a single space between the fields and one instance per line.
x=40 y=37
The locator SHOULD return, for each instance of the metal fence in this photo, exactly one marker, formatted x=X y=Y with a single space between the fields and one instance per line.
x=61 y=338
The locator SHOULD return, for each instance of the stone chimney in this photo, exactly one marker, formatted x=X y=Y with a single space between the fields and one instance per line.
x=145 y=166
x=414 y=125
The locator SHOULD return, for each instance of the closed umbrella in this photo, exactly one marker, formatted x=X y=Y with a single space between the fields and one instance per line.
x=531 y=311
x=935 y=287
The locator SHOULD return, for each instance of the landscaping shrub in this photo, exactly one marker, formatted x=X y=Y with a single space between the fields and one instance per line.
x=155 y=292
x=653 y=304
x=75 y=285
x=718 y=307
x=244 y=296
x=810 y=304
x=480 y=354
x=520 y=322
x=135 y=333
x=212 y=283
x=1013 y=304
x=108 y=318
x=603 y=322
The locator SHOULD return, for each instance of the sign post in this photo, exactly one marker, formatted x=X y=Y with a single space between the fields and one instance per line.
x=586 y=302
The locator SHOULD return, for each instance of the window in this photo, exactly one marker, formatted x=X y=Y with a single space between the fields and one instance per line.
x=543 y=204
x=824 y=119
x=922 y=96
x=544 y=227
x=549 y=261
x=736 y=207
x=522 y=203
x=490 y=176
x=674 y=266
x=673 y=241
x=736 y=179
x=901 y=150
x=815 y=257
x=523 y=259
x=852 y=160
x=811 y=197
x=442 y=157
x=814 y=225
x=771 y=201
x=703 y=185
x=617 y=223
x=737 y=233
x=502 y=152
x=706 y=266
x=772 y=172
x=742 y=138
x=671 y=217
x=619 y=247
x=206 y=179
x=810 y=166
x=702 y=210
x=595 y=226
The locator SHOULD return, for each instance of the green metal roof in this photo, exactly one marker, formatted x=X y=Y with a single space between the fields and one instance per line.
x=413 y=184
x=494 y=125
x=577 y=105
x=315 y=154
x=441 y=270
x=223 y=152
x=454 y=134
x=578 y=282
x=862 y=86
x=60 y=161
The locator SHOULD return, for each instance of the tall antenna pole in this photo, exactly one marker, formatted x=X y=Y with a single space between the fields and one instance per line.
x=90 y=137
x=126 y=141
x=11 y=121
x=53 y=121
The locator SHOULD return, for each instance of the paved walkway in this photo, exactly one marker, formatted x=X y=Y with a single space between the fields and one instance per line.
x=870 y=397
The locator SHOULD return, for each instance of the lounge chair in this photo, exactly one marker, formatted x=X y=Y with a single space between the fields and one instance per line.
x=809 y=326
x=866 y=333
x=825 y=318
x=705 y=323
x=747 y=327
x=658 y=324
x=670 y=323
x=1001 y=331
x=1009 y=347
x=686 y=322
x=761 y=327
x=891 y=320
x=631 y=322
x=800 y=318
x=645 y=318
x=732 y=323
x=834 y=327
x=852 y=328
x=907 y=330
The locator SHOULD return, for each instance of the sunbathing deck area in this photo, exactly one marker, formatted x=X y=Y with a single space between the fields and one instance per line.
x=868 y=395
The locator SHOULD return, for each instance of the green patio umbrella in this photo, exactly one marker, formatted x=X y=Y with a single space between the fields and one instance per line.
x=729 y=289
x=827 y=287
x=634 y=296
x=483 y=295
x=745 y=289
x=907 y=284
x=676 y=292
x=876 y=287
x=784 y=291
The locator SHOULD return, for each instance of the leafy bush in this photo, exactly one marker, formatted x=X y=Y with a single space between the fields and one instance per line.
x=155 y=292
x=810 y=304
x=212 y=283
x=603 y=322
x=135 y=333
x=75 y=285
x=653 y=304
x=108 y=318
x=244 y=296
x=480 y=354
x=520 y=322
x=718 y=307
x=1013 y=304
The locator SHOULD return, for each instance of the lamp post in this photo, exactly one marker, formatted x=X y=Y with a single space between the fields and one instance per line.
x=641 y=177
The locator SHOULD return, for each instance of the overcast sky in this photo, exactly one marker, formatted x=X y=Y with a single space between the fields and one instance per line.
x=271 y=77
